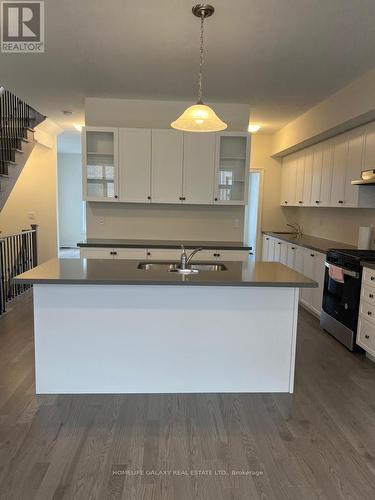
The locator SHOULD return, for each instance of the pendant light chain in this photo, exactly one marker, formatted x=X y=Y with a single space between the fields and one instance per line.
x=201 y=61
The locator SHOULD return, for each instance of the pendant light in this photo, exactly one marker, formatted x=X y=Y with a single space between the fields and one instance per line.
x=200 y=117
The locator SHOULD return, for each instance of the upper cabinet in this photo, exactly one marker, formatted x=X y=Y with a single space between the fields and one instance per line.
x=100 y=164
x=199 y=168
x=326 y=170
x=231 y=172
x=165 y=166
x=135 y=165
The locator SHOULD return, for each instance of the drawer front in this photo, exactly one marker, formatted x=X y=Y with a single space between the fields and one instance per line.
x=96 y=253
x=130 y=253
x=233 y=255
x=368 y=276
x=368 y=294
x=366 y=336
x=367 y=310
x=168 y=254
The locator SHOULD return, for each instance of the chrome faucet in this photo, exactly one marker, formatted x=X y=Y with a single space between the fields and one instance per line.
x=297 y=228
x=185 y=260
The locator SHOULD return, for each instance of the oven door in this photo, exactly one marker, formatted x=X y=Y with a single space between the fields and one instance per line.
x=341 y=300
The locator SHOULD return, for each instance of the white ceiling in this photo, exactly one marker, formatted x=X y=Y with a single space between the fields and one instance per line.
x=280 y=56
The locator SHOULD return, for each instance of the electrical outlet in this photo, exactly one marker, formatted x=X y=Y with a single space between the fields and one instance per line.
x=101 y=221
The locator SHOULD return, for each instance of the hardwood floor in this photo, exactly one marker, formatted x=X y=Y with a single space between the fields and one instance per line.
x=318 y=443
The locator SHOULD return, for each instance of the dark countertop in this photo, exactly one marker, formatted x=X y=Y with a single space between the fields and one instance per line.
x=370 y=265
x=125 y=272
x=317 y=244
x=123 y=243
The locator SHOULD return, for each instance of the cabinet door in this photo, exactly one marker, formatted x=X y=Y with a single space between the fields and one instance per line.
x=283 y=252
x=318 y=276
x=316 y=175
x=326 y=181
x=265 y=248
x=199 y=168
x=307 y=181
x=131 y=253
x=369 y=157
x=100 y=164
x=299 y=254
x=135 y=165
x=291 y=255
x=277 y=251
x=97 y=253
x=168 y=254
x=308 y=270
x=292 y=174
x=271 y=249
x=355 y=165
x=167 y=160
x=284 y=193
x=231 y=168
x=300 y=178
x=340 y=163
x=233 y=255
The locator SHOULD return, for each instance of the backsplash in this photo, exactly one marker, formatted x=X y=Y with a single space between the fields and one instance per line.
x=143 y=221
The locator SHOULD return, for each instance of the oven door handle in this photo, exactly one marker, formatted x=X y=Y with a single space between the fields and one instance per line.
x=353 y=274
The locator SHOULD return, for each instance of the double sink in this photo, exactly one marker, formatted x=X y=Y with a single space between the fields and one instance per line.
x=174 y=267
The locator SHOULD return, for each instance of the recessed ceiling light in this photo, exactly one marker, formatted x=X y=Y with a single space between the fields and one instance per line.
x=253 y=127
x=78 y=127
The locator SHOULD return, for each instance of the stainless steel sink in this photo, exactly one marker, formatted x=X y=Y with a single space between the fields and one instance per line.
x=174 y=267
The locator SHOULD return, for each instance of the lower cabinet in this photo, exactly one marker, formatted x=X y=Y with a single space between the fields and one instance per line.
x=162 y=254
x=366 y=320
x=303 y=260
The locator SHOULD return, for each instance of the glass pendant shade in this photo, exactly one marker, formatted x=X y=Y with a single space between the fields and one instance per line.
x=199 y=118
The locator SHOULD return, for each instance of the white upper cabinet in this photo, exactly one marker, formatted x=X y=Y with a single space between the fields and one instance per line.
x=167 y=164
x=327 y=168
x=317 y=164
x=369 y=153
x=355 y=165
x=100 y=164
x=339 y=173
x=288 y=180
x=300 y=178
x=307 y=178
x=199 y=168
x=135 y=165
x=231 y=169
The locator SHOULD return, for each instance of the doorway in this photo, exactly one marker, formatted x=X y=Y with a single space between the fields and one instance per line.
x=252 y=230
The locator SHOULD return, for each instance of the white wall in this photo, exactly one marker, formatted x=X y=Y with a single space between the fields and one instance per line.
x=121 y=220
x=69 y=167
x=35 y=192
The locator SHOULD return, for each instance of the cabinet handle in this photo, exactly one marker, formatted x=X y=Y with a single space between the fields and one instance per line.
x=181 y=198
x=341 y=202
x=293 y=248
x=312 y=255
x=371 y=295
x=148 y=253
x=114 y=253
x=184 y=198
x=267 y=239
x=372 y=278
x=279 y=242
x=285 y=202
x=367 y=336
x=317 y=201
x=369 y=313
x=300 y=202
x=116 y=196
x=149 y=197
x=215 y=199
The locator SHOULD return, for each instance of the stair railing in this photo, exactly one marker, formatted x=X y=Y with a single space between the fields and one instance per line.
x=18 y=254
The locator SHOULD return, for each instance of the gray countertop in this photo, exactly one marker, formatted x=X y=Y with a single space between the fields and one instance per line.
x=125 y=243
x=370 y=265
x=317 y=244
x=125 y=272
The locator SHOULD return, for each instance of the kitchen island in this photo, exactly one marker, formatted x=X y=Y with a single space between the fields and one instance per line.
x=105 y=326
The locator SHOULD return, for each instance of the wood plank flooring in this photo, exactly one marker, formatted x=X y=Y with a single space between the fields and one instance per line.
x=318 y=443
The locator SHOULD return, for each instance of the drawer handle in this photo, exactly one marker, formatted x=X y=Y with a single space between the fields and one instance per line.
x=372 y=278
x=300 y=202
x=369 y=313
x=367 y=336
x=279 y=242
x=312 y=255
x=285 y=202
x=341 y=202
x=317 y=201
x=293 y=248
x=371 y=295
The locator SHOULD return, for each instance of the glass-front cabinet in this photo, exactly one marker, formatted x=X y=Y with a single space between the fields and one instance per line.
x=232 y=165
x=100 y=164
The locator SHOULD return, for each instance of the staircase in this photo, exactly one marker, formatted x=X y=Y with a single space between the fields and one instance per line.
x=17 y=123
